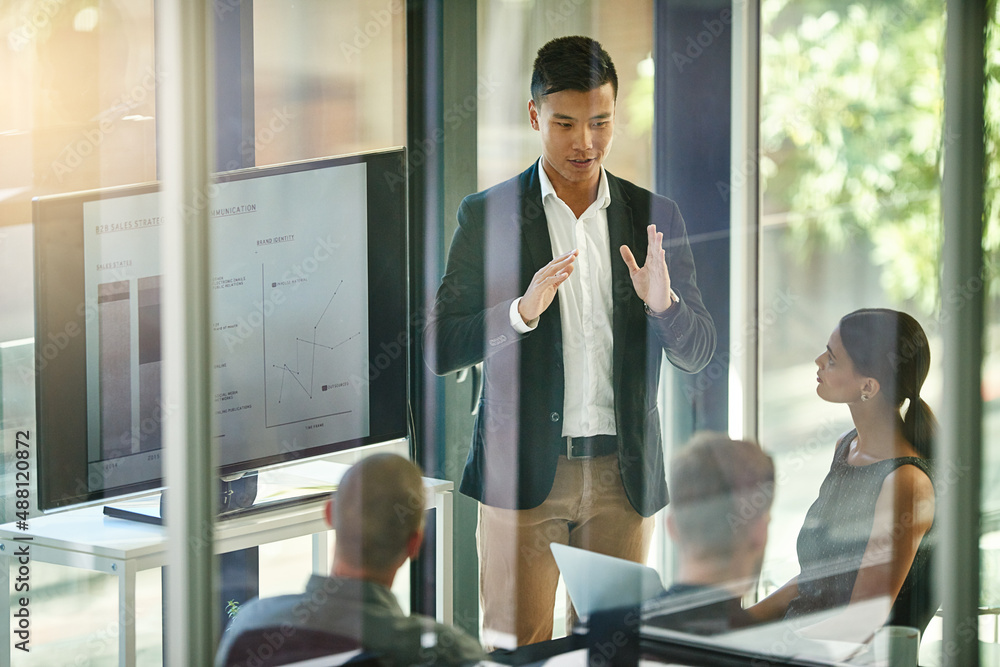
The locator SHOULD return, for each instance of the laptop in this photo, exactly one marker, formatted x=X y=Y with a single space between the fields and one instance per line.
x=596 y=582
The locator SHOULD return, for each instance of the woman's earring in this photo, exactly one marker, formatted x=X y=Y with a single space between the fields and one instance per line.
x=864 y=397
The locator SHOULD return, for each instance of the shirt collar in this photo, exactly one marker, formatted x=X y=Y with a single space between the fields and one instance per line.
x=347 y=588
x=603 y=192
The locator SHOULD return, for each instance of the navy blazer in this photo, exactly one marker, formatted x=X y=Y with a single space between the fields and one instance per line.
x=501 y=241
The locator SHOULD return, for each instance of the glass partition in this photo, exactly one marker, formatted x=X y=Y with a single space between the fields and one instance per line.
x=79 y=114
x=990 y=521
x=851 y=141
x=80 y=110
x=509 y=36
x=329 y=78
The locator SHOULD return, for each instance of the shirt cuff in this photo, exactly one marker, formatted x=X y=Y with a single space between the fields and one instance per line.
x=666 y=313
x=518 y=323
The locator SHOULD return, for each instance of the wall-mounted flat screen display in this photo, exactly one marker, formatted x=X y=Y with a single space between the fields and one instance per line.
x=309 y=323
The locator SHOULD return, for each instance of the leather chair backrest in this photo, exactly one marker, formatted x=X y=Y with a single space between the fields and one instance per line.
x=276 y=646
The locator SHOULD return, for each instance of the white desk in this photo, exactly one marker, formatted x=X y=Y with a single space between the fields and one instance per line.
x=87 y=539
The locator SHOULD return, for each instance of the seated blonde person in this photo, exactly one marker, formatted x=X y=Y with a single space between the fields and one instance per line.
x=377 y=513
x=720 y=499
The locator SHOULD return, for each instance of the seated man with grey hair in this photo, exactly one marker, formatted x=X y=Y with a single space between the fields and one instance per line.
x=720 y=501
x=378 y=515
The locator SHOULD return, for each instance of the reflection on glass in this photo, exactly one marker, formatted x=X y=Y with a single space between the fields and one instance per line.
x=721 y=492
x=329 y=78
x=509 y=35
x=851 y=132
x=868 y=535
x=989 y=600
x=852 y=141
x=79 y=99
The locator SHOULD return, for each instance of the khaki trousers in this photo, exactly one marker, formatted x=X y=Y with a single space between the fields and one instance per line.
x=587 y=508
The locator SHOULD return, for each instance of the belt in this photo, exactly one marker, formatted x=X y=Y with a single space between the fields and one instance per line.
x=590 y=446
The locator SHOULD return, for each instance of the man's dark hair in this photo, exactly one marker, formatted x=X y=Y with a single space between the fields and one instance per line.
x=572 y=63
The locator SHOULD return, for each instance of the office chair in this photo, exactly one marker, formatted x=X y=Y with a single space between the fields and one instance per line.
x=274 y=647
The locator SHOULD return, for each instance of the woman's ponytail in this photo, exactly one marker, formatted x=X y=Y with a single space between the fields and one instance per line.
x=919 y=426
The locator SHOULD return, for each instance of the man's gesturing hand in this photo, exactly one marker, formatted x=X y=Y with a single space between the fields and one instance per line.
x=543 y=286
x=652 y=281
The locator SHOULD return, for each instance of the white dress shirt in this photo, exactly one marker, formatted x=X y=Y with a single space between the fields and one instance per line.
x=585 y=307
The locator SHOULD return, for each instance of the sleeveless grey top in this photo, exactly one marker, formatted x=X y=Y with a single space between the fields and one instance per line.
x=835 y=534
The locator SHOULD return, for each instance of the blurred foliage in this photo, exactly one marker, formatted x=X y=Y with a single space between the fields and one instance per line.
x=991 y=233
x=851 y=134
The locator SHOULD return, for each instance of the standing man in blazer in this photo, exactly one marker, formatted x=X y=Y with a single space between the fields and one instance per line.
x=543 y=286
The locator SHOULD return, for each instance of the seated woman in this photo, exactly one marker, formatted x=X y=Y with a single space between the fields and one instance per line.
x=868 y=534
